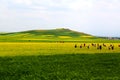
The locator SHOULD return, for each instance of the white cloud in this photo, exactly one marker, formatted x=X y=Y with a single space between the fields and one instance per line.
x=81 y=4
x=38 y=7
x=26 y=2
x=75 y=5
x=4 y=11
x=107 y=4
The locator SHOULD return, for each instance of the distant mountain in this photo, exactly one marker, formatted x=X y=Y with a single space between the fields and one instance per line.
x=61 y=32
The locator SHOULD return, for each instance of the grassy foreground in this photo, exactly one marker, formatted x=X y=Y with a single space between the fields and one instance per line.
x=61 y=67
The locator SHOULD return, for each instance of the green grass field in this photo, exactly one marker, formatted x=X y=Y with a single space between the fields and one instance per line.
x=61 y=67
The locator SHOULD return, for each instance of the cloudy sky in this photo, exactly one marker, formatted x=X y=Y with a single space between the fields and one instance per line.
x=97 y=17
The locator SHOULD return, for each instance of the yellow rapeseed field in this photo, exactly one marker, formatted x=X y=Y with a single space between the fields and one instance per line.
x=34 y=48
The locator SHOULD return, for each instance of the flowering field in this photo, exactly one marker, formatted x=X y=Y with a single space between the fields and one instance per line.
x=26 y=49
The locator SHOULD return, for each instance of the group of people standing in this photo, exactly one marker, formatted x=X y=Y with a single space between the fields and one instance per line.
x=98 y=46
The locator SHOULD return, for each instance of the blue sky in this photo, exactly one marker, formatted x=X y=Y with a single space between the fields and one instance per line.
x=96 y=17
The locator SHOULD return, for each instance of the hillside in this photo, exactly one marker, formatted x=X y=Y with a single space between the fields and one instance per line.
x=43 y=35
x=53 y=32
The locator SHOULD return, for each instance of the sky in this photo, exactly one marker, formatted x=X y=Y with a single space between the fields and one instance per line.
x=96 y=17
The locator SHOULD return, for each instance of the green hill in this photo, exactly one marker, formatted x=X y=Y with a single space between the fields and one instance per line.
x=57 y=32
x=53 y=32
x=46 y=35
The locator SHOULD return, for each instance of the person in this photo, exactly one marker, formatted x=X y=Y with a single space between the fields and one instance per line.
x=75 y=45
x=84 y=44
x=112 y=47
x=118 y=45
x=80 y=46
x=88 y=46
x=92 y=44
x=100 y=47
x=109 y=48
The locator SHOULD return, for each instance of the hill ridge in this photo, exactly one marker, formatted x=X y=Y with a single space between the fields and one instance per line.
x=57 y=32
x=50 y=33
